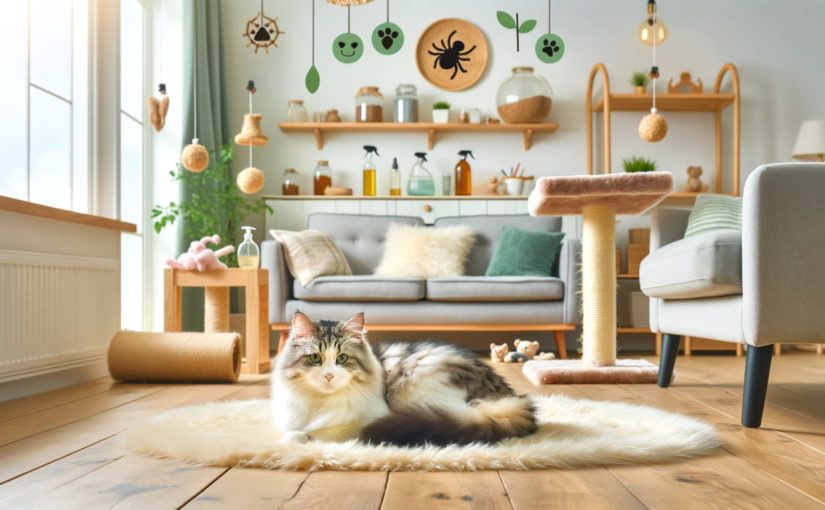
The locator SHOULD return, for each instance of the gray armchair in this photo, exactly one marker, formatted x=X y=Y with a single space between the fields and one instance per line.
x=761 y=286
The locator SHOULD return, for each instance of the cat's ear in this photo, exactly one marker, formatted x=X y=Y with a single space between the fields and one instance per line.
x=355 y=325
x=302 y=326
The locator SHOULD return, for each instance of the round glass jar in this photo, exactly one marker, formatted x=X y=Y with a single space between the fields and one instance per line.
x=296 y=112
x=406 y=103
x=322 y=177
x=290 y=182
x=524 y=97
x=369 y=105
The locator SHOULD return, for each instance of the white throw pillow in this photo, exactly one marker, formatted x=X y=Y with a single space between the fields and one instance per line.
x=425 y=252
x=310 y=254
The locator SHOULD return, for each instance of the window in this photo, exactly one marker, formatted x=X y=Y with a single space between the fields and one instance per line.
x=133 y=91
x=44 y=136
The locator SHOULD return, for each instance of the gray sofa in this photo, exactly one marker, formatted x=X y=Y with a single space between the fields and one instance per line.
x=463 y=303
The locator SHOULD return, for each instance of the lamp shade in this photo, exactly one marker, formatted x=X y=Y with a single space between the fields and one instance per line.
x=810 y=142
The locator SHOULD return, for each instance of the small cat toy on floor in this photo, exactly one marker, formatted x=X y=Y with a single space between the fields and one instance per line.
x=525 y=351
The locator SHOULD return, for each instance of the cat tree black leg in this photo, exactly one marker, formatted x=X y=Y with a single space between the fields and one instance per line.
x=757 y=369
x=670 y=348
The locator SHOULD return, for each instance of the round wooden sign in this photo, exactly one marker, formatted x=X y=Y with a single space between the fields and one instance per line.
x=452 y=54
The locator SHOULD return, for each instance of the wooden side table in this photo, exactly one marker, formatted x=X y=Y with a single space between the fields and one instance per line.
x=256 y=293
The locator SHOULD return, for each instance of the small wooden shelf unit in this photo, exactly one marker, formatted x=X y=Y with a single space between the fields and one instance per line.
x=319 y=129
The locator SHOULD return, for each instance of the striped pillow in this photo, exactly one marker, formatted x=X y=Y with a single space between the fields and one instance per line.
x=310 y=254
x=714 y=212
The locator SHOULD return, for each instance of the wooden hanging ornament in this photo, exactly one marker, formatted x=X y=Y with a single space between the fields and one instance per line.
x=158 y=108
x=550 y=46
x=653 y=126
x=387 y=38
x=262 y=31
x=251 y=180
x=194 y=157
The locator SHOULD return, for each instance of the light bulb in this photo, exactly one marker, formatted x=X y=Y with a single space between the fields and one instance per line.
x=646 y=31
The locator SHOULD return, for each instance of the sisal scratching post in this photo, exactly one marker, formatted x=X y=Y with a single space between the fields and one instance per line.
x=599 y=286
x=216 y=309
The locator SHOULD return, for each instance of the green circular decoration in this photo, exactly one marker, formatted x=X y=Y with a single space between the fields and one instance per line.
x=549 y=48
x=387 y=38
x=347 y=48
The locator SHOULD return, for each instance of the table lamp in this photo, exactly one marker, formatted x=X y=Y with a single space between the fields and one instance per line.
x=810 y=142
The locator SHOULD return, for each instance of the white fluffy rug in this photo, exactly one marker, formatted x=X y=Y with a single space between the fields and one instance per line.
x=572 y=433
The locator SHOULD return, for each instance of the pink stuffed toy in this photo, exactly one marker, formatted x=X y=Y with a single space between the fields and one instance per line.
x=200 y=258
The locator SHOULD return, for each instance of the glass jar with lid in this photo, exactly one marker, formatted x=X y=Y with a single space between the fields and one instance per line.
x=296 y=112
x=369 y=105
x=406 y=103
x=290 y=182
x=322 y=177
x=524 y=97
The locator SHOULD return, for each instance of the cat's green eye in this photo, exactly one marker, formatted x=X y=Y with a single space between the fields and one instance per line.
x=341 y=359
x=315 y=358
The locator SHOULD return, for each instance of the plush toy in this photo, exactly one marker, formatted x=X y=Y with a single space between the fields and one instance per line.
x=200 y=258
x=498 y=352
x=694 y=182
x=530 y=350
x=492 y=186
x=515 y=357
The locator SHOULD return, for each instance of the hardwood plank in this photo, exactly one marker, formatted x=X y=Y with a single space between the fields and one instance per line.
x=249 y=489
x=13 y=409
x=53 y=213
x=339 y=490
x=416 y=490
x=591 y=488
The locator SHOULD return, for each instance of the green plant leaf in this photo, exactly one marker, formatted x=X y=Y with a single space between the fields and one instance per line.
x=527 y=26
x=505 y=19
x=313 y=80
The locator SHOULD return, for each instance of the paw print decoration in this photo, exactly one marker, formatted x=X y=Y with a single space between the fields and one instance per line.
x=387 y=38
x=549 y=48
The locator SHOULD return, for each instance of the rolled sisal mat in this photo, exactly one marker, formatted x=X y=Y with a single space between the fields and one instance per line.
x=175 y=357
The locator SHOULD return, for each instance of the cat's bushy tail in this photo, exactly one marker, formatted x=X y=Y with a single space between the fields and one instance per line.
x=485 y=421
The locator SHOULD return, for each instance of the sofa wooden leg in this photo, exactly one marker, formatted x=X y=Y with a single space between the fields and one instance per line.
x=561 y=344
x=757 y=369
x=282 y=340
x=670 y=349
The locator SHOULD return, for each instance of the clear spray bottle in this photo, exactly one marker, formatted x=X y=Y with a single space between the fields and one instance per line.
x=249 y=256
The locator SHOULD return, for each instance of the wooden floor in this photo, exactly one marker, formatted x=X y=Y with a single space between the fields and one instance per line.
x=60 y=450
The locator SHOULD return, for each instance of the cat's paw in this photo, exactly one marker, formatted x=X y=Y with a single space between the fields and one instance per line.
x=295 y=436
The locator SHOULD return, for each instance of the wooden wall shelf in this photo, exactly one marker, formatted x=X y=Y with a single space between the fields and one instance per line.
x=319 y=129
x=393 y=197
x=666 y=102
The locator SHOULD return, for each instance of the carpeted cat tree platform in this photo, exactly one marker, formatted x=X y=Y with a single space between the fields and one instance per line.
x=598 y=199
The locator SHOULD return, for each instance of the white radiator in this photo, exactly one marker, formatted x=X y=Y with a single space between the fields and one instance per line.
x=56 y=311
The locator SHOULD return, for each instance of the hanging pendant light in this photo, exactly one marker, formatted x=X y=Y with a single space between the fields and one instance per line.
x=651 y=25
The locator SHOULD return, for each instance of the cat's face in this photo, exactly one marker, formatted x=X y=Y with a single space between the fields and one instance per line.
x=327 y=356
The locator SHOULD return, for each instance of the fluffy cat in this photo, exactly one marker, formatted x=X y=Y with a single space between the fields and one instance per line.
x=330 y=384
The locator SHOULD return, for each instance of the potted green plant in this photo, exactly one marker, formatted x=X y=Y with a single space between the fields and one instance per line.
x=441 y=112
x=638 y=164
x=216 y=205
x=639 y=82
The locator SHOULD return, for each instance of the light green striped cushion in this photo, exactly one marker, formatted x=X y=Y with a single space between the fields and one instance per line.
x=714 y=212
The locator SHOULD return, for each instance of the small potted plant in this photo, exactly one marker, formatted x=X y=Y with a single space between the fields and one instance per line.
x=638 y=164
x=639 y=82
x=441 y=112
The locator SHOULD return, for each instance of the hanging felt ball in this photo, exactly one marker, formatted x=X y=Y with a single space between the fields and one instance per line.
x=194 y=157
x=653 y=127
x=250 y=180
x=251 y=134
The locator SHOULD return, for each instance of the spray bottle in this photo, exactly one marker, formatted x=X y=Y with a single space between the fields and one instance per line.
x=248 y=252
x=464 y=174
x=369 y=171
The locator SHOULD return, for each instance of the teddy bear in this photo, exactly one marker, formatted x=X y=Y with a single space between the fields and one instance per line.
x=694 y=182
x=531 y=350
x=200 y=258
x=498 y=352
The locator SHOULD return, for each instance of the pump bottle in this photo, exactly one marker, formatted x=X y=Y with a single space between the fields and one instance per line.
x=249 y=255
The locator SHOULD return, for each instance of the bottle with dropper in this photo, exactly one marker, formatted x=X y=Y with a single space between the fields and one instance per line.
x=249 y=255
x=395 y=179
x=369 y=171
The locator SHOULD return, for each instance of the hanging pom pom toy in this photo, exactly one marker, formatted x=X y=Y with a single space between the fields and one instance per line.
x=653 y=127
x=250 y=180
x=194 y=157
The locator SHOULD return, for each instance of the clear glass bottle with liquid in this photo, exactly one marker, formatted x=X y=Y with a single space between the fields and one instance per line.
x=249 y=256
x=395 y=179
x=464 y=174
x=369 y=170
x=290 y=182
x=421 y=180
x=322 y=177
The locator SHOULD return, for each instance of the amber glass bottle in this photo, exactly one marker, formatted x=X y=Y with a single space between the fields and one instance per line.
x=464 y=174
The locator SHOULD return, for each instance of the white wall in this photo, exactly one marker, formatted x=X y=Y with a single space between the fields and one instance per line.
x=776 y=46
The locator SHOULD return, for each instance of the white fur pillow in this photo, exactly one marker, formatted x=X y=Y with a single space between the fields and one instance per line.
x=425 y=252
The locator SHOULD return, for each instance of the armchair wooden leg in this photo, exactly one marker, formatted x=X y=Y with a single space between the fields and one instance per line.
x=757 y=369
x=561 y=344
x=282 y=340
x=670 y=349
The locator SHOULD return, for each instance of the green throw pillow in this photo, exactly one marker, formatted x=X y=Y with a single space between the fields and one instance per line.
x=714 y=212
x=525 y=253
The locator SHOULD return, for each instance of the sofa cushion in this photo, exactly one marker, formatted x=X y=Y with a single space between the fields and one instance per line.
x=703 y=265
x=525 y=253
x=310 y=254
x=360 y=288
x=713 y=212
x=423 y=252
x=488 y=230
x=495 y=288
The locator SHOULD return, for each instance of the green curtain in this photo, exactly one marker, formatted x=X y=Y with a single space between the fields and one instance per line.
x=204 y=67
